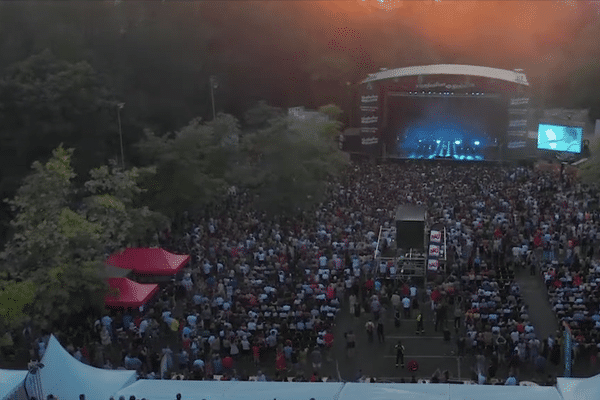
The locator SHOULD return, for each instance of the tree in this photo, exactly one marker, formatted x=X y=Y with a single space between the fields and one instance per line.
x=111 y=202
x=288 y=165
x=45 y=101
x=61 y=236
x=192 y=165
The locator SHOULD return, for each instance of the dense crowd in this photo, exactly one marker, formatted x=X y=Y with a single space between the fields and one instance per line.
x=267 y=288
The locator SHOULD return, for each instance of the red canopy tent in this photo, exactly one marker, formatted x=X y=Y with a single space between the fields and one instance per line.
x=149 y=261
x=124 y=292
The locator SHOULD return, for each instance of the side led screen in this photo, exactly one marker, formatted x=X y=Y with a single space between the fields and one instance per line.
x=560 y=138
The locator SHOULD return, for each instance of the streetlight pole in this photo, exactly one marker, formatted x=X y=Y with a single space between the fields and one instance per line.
x=120 y=106
x=213 y=85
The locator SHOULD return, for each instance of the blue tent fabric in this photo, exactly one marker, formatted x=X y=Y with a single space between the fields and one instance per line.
x=66 y=378
x=10 y=381
x=218 y=390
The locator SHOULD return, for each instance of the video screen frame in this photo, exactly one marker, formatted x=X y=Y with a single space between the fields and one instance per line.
x=552 y=137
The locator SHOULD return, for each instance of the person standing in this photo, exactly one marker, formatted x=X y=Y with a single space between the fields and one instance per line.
x=396 y=301
x=380 y=336
x=399 y=354
x=328 y=339
x=317 y=359
x=420 y=329
x=370 y=327
x=406 y=306
x=375 y=308
x=350 y=343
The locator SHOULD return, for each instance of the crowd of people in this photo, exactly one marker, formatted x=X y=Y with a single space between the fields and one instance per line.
x=268 y=289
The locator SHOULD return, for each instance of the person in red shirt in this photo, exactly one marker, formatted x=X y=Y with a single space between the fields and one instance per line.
x=256 y=353
x=405 y=290
x=520 y=328
x=280 y=363
x=315 y=377
x=330 y=292
x=328 y=339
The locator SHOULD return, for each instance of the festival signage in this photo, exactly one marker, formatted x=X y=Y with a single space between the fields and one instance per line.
x=369 y=109
x=519 y=101
x=517 y=132
x=367 y=130
x=369 y=141
x=369 y=120
x=448 y=86
x=434 y=250
x=517 y=123
x=517 y=145
x=435 y=236
x=369 y=99
x=433 y=264
x=568 y=348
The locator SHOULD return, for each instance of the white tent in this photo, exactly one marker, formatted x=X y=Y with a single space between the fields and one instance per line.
x=66 y=378
x=579 y=388
x=501 y=392
x=217 y=390
x=214 y=390
x=385 y=391
x=11 y=382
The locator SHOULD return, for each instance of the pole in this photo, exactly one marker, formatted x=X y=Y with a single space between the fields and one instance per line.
x=212 y=95
x=120 y=106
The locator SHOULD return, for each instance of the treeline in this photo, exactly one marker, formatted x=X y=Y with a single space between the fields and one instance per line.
x=65 y=224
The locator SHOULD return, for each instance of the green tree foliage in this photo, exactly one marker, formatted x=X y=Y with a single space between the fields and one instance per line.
x=288 y=164
x=192 y=165
x=45 y=101
x=14 y=299
x=37 y=241
x=61 y=234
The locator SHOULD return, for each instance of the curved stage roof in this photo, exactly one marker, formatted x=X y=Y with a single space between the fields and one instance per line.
x=450 y=69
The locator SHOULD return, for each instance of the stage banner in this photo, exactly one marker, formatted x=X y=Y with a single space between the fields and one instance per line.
x=568 y=349
x=369 y=116
x=436 y=251
x=518 y=144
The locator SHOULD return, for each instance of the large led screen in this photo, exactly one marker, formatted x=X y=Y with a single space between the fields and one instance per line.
x=560 y=138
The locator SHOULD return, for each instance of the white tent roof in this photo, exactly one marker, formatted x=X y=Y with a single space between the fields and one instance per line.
x=217 y=390
x=214 y=390
x=579 y=388
x=501 y=392
x=451 y=69
x=385 y=391
x=10 y=380
x=66 y=378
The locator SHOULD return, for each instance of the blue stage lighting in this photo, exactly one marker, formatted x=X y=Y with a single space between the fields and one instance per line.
x=477 y=143
x=457 y=142
x=438 y=141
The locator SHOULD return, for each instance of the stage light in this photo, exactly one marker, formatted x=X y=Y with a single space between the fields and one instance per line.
x=438 y=141
x=477 y=143
x=457 y=142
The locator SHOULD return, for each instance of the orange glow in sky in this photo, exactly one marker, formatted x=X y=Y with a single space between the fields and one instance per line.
x=452 y=21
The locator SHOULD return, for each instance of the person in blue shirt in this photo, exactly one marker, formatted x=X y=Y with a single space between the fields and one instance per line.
x=511 y=381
